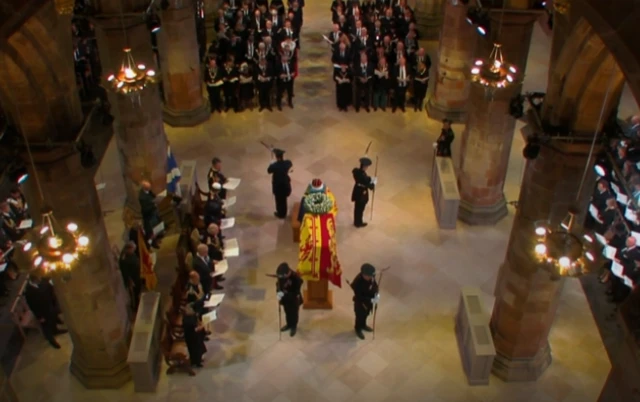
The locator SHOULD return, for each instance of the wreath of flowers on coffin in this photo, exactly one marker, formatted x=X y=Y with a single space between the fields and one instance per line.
x=317 y=203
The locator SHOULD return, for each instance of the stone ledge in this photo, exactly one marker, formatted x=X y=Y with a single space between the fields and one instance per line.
x=482 y=215
x=435 y=111
x=189 y=118
x=521 y=370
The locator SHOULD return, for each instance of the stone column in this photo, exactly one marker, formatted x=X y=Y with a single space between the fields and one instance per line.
x=139 y=130
x=428 y=14
x=526 y=297
x=486 y=140
x=92 y=296
x=184 y=105
x=37 y=78
x=457 y=44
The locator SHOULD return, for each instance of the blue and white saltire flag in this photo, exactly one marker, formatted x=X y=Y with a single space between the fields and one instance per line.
x=173 y=174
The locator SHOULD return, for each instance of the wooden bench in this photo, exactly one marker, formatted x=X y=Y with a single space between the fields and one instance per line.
x=295 y=225
x=474 y=337
x=174 y=348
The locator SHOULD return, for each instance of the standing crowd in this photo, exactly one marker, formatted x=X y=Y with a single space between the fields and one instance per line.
x=255 y=52
x=375 y=55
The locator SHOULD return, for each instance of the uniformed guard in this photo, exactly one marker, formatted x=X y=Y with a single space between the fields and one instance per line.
x=216 y=176
x=288 y=288
x=365 y=296
x=360 y=193
x=443 y=144
x=279 y=170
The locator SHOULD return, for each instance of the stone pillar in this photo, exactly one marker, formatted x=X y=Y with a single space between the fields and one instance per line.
x=486 y=140
x=139 y=130
x=526 y=297
x=92 y=296
x=37 y=78
x=184 y=105
x=428 y=14
x=457 y=44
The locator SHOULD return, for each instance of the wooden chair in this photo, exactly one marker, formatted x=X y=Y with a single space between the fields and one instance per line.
x=175 y=351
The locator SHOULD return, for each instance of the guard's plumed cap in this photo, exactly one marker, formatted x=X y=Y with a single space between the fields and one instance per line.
x=364 y=161
x=215 y=160
x=283 y=270
x=278 y=152
x=316 y=186
x=216 y=186
x=367 y=269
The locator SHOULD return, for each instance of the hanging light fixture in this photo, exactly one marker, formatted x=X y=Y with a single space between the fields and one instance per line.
x=562 y=250
x=565 y=251
x=493 y=73
x=131 y=78
x=51 y=246
x=65 y=7
x=561 y=6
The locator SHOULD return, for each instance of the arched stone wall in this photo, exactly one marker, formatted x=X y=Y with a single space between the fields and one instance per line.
x=37 y=78
x=584 y=70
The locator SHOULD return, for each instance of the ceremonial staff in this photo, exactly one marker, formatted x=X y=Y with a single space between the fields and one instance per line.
x=375 y=308
x=373 y=196
x=277 y=301
x=269 y=147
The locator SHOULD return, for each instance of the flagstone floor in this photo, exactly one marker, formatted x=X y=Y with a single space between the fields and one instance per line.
x=414 y=356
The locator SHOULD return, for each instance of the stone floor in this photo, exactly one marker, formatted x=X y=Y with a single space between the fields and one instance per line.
x=414 y=356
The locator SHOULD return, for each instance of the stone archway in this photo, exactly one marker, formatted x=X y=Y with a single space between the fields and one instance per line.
x=584 y=70
x=37 y=78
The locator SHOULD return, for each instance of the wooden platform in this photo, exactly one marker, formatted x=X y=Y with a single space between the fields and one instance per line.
x=295 y=225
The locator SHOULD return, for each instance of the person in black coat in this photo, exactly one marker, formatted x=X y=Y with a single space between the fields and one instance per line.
x=41 y=299
x=194 y=335
x=343 y=80
x=360 y=193
x=402 y=77
x=213 y=79
x=363 y=72
x=213 y=209
x=203 y=265
x=286 y=76
x=279 y=170
x=230 y=86
x=129 y=265
x=443 y=144
x=365 y=296
x=420 y=83
x=288 y=292
x=264 y=81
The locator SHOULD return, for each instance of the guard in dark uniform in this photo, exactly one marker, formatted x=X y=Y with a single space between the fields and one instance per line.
x=41 y=299
x=360 y=193
x=443 y=144
x=216 y=176
x=288 y=288
x=279 y=170
x=365 y=296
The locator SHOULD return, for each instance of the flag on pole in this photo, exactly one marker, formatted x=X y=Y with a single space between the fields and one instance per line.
x=147 y=271
x=173 y=174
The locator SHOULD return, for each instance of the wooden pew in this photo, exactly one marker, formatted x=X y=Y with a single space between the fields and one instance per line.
x=295 y=225
x=174 y=348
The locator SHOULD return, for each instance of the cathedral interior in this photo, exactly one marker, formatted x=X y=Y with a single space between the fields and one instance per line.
x=525 y=151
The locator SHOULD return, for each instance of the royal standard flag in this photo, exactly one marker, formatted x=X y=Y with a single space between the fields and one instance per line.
x=318 y=254
x=147 y=271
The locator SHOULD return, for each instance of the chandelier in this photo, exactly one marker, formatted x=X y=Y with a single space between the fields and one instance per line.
x=562 y=251
x=561 y=6
x=132 y=78
x=493 y=73
x=65 y=7
x=53 y=247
